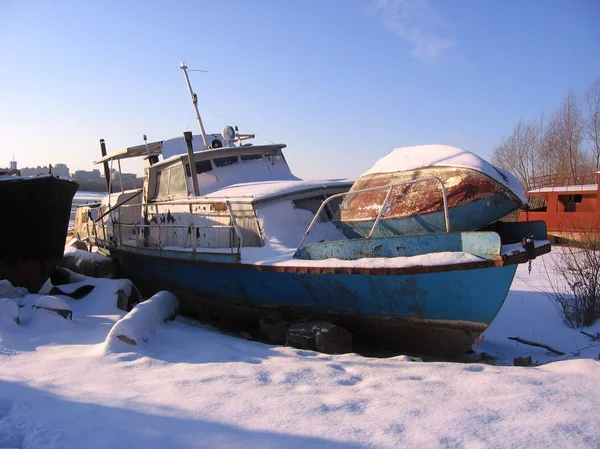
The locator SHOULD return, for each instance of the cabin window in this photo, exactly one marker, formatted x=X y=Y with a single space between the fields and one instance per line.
x=569 y=202
x=177 y=181
x=251 y=157
x=538 y=204
x=314 y=203
x=577 y=203
x=157 y=185
x=170 y=181
x=225 y=161
x=274 y=156
x=311 y=204
x=162 y=183
x=203 y=167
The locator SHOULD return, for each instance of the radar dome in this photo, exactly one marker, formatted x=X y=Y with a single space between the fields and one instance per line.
x=228 y=133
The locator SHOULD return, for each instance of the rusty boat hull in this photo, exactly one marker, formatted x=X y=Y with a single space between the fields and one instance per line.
x=475 y=200
x=34 y=227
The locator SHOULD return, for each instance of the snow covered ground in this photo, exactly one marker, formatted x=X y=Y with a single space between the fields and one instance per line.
x=189 y=386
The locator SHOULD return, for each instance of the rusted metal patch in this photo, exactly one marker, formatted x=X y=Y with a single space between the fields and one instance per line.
x=218 y=207
x=463 y=186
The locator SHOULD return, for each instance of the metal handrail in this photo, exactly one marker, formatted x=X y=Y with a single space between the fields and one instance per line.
x=116 y=206
x=159 y=226
x=175 y=226
x=128 y=225
x=235 y=227
x=387 y=197
x=561 y=180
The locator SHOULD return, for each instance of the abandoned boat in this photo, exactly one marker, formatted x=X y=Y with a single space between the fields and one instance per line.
x=568 y=204
x=235 y=235
x=477 y=193
x=34 y=227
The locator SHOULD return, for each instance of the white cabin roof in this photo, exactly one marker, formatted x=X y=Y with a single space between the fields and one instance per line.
x=268 y=190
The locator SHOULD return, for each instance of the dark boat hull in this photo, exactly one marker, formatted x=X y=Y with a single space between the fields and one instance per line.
x=33 y=228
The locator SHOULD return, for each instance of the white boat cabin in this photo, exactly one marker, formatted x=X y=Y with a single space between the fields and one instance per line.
x=233 y=183
x=216 y=169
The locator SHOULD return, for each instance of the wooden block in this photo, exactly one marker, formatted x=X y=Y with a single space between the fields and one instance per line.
x=522 y=361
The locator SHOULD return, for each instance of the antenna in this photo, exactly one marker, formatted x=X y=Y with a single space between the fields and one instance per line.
x=194 y=98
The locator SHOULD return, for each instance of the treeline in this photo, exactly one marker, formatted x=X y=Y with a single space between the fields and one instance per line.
x=565 y=144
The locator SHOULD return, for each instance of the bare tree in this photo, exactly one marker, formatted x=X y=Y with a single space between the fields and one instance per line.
x=520 y=152
x=555 y=147
x=566 y=128
x=573 y=274
x=592 y=104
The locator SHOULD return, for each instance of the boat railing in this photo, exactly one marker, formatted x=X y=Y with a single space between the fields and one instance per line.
x=383 y=206
x=143 y=225
x=561 y=180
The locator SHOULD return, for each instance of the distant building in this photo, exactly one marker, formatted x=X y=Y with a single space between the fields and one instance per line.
x=34 y=171
x=115 y=175
x=61 y=170
x=87 y=175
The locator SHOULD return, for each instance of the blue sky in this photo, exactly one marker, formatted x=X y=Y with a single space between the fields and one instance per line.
x=341 y=82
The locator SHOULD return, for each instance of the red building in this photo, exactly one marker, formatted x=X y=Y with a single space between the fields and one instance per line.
x=569 y=207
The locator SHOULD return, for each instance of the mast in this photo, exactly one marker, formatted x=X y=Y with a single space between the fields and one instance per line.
x=194 y=98
x=106 y=171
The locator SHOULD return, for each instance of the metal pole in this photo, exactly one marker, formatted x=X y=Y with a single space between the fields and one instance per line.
x=194 y=98
x=106 y=176
x=187 y=135
x=387 y=198
x=120 y=175
x=146 y=142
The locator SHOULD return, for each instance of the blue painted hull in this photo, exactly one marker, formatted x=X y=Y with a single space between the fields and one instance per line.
x=411 y=310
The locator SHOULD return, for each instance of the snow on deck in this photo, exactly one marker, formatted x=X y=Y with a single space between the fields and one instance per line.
x=421 y=156
x=283 y=226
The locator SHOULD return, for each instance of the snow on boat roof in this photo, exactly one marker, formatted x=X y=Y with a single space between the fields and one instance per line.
x=266 y=190
x=578 y=188
x=421 y=156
